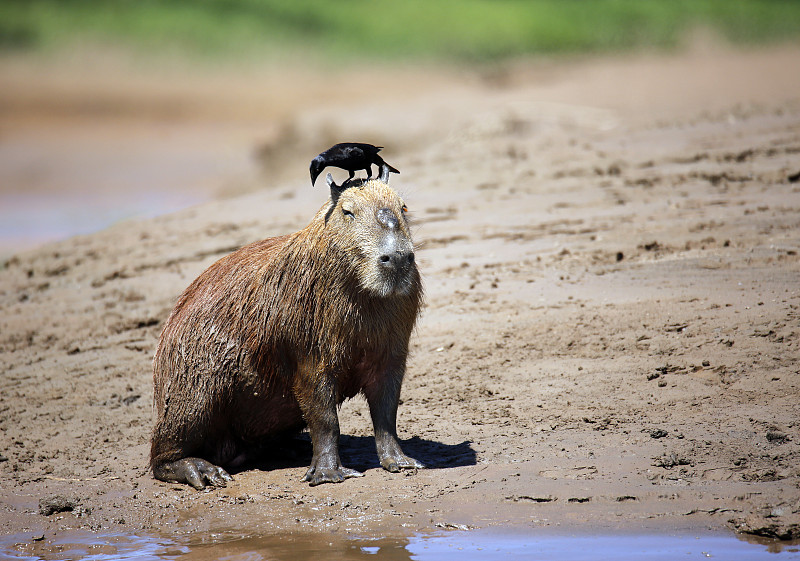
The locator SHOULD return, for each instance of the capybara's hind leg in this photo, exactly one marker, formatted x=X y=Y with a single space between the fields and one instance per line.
x=197 y=472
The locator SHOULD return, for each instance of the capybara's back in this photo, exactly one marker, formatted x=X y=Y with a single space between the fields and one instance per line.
x=274 y=336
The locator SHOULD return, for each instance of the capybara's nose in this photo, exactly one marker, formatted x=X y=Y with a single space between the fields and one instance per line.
x=397 y=259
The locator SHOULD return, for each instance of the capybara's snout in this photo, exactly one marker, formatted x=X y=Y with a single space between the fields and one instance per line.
x=397 y=260
x=396 y=249
x=395 y=255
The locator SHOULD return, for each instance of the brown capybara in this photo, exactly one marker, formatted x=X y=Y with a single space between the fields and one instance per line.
x=275 y=336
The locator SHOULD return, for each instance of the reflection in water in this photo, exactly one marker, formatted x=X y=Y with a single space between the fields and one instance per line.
x=463 y=546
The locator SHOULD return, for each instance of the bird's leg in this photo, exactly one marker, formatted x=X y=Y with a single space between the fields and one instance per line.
x=368 y=169
x=352 y=175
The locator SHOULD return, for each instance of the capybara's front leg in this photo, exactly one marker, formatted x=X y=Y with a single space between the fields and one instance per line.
x=325 y=465
x=383 y=399
x=197 y=472
x=316 y=395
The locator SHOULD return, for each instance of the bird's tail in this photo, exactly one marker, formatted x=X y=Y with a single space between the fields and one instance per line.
x=391 y=169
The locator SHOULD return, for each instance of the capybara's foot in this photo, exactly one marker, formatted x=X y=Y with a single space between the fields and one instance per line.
x=317 y=475
x=197 y=472
x=397 y=462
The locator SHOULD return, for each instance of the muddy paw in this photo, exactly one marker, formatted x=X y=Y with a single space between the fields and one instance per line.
x=316 y=476
x=400 y=462
x=196 y=472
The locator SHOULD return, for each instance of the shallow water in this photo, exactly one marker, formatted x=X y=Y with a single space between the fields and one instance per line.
x=461 y=545
x=27 y=220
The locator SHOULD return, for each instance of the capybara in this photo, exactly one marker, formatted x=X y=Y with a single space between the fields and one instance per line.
x=275 y=336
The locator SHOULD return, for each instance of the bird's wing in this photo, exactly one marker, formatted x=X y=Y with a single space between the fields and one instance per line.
x=354 y=152
x=368 y=149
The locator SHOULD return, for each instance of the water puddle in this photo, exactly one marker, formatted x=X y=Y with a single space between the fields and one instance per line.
x=460 y=545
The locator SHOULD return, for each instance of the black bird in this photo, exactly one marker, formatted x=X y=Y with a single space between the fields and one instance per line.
x=352 y=156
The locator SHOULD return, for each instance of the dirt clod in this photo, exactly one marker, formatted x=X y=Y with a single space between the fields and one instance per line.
x=777 y=437
x=670 y=460
x=57 y=503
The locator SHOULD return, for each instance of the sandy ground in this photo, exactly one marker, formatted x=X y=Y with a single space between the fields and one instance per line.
x=611 y=337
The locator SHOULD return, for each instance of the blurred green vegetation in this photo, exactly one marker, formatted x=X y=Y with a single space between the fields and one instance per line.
x=460 y=30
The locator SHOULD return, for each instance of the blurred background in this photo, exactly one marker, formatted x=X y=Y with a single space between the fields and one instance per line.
x=129 y=108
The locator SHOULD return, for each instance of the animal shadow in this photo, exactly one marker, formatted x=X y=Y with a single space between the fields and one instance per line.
x=358 y=452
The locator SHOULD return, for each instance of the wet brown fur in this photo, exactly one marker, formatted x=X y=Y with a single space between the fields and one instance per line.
x=274 y=336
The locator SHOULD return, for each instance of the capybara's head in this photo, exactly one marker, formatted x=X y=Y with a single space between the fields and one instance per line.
x=369 y=221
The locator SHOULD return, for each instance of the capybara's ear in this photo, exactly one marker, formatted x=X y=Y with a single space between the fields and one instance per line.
x=385 y=173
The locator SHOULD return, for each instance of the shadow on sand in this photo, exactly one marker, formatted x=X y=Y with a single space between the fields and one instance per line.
x=358 y=452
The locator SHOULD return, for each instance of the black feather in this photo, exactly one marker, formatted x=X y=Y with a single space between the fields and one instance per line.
x=350 y=156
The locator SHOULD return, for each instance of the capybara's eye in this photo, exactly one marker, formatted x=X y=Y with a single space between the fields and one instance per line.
x=347 y=212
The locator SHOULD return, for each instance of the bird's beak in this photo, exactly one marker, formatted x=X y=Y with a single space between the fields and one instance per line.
x=314 y=175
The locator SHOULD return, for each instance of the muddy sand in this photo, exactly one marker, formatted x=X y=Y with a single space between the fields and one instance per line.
x=611 y=337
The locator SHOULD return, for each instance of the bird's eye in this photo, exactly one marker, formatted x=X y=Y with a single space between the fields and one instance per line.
x=404 y=208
